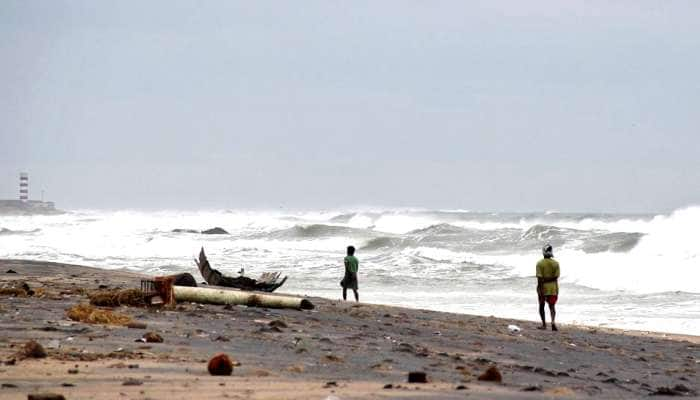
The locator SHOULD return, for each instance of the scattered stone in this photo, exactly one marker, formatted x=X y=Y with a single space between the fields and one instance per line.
x=152 y=337
x=222 y=339
x=278 y=323
x=678 y=390
x=10 y=362
x=417 y=377
x=533 y=388
x=10 y=271
x=133 y=366
x=388 y=386
x=8 y=386
x=221 y=365
x=73 y=371
x=330 y=384
x=461 y=387
x=66 y=384
x=333 y=358
x=136 y=325
x=132 y=382
x=491 y=375
x=32 y=349
x=53 y=344
x=45 y=396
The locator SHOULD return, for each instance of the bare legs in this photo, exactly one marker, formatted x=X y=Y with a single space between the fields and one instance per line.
x=552 y=313
x=345 y=294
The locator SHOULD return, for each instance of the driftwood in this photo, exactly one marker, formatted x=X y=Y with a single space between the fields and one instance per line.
x=162 y=291
x=235 y=297
x=267 y=282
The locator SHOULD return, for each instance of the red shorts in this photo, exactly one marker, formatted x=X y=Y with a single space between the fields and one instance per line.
x=551 y=300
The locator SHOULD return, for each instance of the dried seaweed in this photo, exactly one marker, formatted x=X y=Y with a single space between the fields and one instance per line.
x=93 y=315
x=116 y=298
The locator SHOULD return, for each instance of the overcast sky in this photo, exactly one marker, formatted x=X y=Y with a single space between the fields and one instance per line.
x=575 y=105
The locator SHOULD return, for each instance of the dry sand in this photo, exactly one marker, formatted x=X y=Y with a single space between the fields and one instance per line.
x=340 y=350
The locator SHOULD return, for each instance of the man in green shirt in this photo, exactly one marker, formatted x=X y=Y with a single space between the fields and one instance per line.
x=350 y=278
x=547 y=284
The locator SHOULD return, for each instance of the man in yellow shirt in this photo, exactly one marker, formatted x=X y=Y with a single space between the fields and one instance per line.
x=547 y=284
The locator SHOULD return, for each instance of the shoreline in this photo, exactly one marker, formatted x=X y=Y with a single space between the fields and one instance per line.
x=361 y=347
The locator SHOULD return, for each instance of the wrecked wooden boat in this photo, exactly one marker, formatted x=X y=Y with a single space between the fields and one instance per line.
x=267 y=282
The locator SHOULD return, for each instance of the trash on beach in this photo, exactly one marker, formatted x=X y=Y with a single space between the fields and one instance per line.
x=267 y=282
x=513 y=328
x=417 y=377
x=491 y=375
x=32 y=349
x=45 y=396
x=16 y=289
x=220 y=365
x=92 y=315
x=164 y=290
x=152 y=337
x=116 y=298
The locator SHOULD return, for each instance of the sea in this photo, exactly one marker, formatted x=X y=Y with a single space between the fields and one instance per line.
x=639 y=272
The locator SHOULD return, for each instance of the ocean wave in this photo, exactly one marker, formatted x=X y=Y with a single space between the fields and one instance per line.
x=316 y=231
x=438 y=229
x=384 y=243
x=6 y=231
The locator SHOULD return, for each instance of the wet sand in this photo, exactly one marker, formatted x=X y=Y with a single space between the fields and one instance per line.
x=338 y=350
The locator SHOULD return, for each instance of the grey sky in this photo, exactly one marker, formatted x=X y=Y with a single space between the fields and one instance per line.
x=579 y=106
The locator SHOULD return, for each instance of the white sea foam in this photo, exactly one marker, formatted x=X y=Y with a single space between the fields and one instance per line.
x=472 y=253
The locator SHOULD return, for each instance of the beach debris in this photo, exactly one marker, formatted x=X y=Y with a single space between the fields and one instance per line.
x=417 y=377
x=330 y=384
x=32 y=349
x=267 y=282
x=132 y=382
x=388 y=386
x=92 y=315
x=45 y=396
x=163 y=288
x=297 y=368
x=73 y=371
x=10 y=271
x=184 y=279
x=8 y=386
x=678 y=390
x=117 y=297
x=67 y=384
x=136 y=325
x=278 y=323
x=16 y=289
x=491 y=375
x=333 y=358
x=152 y=337
x=220 y=365
x=513 y=328
x=461 y=387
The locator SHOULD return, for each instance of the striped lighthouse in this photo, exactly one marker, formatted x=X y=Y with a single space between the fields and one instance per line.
x=23 y=187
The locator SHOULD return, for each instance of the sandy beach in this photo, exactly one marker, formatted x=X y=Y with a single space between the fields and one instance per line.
x=339 y=350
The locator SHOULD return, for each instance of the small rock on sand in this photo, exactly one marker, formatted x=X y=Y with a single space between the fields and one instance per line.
x=132 y=382
x=152 y=337
x=32 y=349
x=417 y=377
x=491 y=375
x=220 y=365
x=45 y=396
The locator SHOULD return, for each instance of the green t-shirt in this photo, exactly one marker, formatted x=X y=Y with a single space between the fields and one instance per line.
x=351 y=263
x=548 y=268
